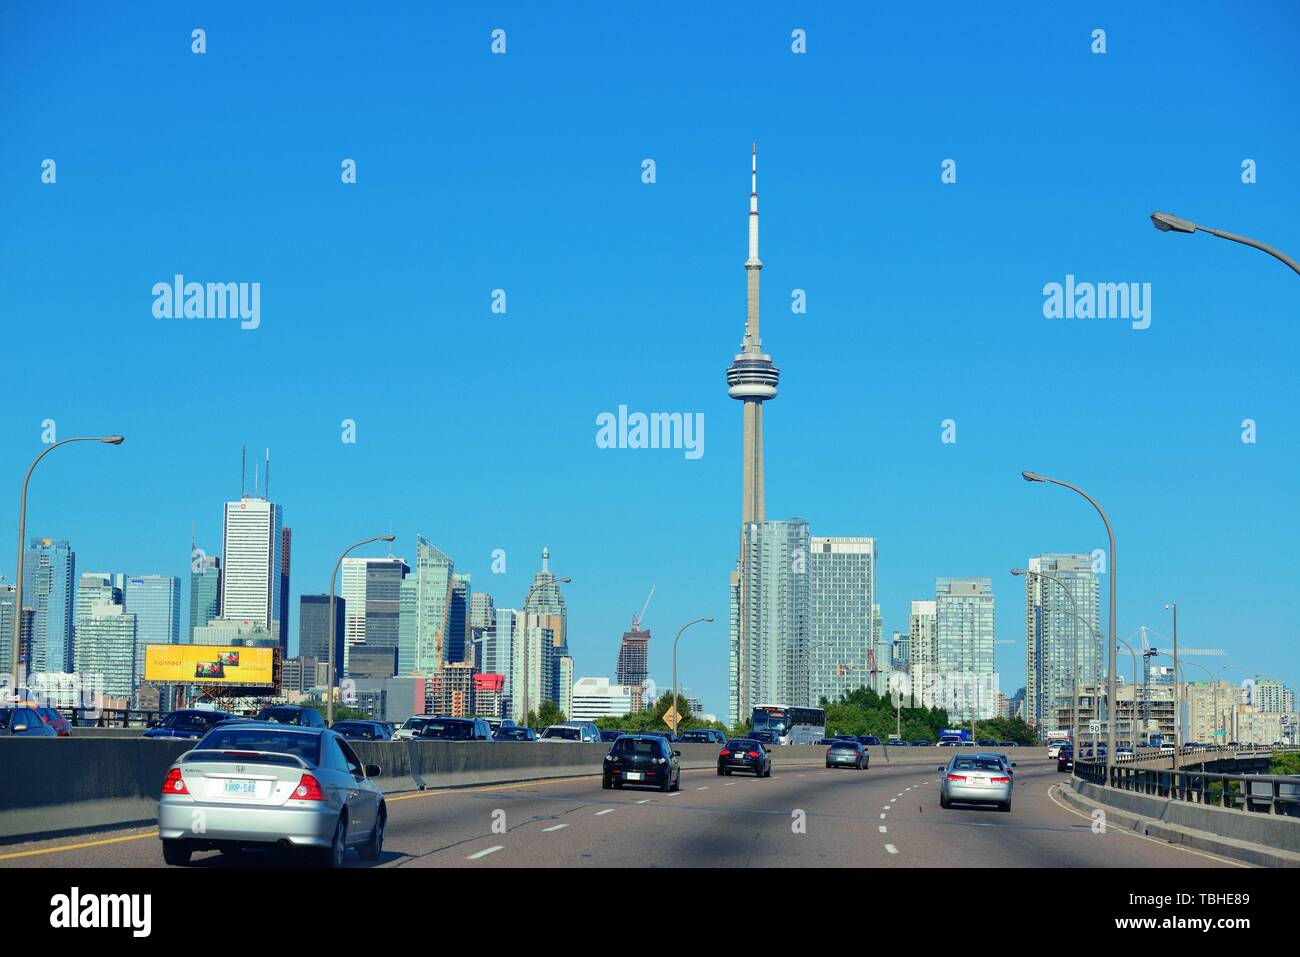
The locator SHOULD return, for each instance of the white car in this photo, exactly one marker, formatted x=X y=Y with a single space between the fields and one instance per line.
x=572 y=731
x=411 y=727
x=1054 y=749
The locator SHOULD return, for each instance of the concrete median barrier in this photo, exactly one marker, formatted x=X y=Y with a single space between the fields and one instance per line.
x=73 y=785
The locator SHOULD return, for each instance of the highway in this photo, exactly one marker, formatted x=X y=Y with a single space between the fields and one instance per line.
x=888 y=816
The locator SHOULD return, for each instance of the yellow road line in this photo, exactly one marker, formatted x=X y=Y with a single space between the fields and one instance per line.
x=76 y=847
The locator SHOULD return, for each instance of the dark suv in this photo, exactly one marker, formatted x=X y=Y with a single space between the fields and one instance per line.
x=642 y=759
x=455 y=729
x=292 y=714
x=187 y=723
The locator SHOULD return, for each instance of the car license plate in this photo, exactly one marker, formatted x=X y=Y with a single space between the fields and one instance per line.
x=241 y=788
x=634 y=775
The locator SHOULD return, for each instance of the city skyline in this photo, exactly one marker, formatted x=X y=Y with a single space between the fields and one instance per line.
x=924 y=304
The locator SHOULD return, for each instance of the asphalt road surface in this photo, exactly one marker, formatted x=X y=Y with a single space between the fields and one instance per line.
x=800 y=817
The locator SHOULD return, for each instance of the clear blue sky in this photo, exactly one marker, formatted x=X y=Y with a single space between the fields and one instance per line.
x=522 y=172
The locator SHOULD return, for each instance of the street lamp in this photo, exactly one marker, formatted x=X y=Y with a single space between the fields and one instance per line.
x=1074 y=670
x=1168 y=223
x=329 y=684
x=1177 y=738
x=525 y=677
x=1110 y=674
x=22 y=533
x=676 y=713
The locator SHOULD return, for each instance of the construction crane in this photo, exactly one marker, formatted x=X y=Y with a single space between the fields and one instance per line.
x=637 y=619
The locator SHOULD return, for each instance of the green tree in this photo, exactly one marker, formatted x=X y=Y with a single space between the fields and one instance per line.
x=1284 y=763
x=549 y=713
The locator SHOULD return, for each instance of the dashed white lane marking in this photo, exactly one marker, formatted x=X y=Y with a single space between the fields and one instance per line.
x=608 y=810
x=729 y=784
x=484 y=853
x=891 y=849
x=889 y=807
x=882 y=817
x=646 y=801
x=705 y=788
x=556 y=827
x=883 y=829
x=674 y=793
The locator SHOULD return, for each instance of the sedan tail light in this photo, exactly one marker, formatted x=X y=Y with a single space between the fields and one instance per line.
x=828 y=752
x=174 y=783
x=753 y=754
x=1000 y=780
x=308 y=789
x=724 y=753
x=956 y=777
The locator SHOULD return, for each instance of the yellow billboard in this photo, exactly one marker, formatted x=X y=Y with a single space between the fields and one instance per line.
x=210 y=664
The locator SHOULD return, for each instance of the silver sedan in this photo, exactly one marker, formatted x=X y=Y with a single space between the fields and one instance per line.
x=256 y=784
x=974 y=779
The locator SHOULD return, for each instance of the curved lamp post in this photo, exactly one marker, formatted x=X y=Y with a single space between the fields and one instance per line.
x=22 y=533
x=1110 y=674
x=329 y=685
x=676 y=711
x=1168 y=223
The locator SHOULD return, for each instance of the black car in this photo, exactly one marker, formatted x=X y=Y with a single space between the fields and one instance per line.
x=745 y=754
x=825 y=741
x=292 y=714
x=188 y=723
x=1065 y=758
x=610 y=735
x=514 y=733
x=454 y=729
x=703 y=736
x=765 y=737
x=986 y=743
x=868 y=739
x=642 y=760
x=24 y=722
x=847 y=753
x=362 y=730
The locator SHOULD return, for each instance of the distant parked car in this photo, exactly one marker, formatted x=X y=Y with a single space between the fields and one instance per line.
x=514 y=733
x=292 y=714
x=455 y=729
x=703 y=736
x=22 y=721
x=574 y=731
x=411 y=727
x=188 y=723
x=55 y=720
x=362 y=730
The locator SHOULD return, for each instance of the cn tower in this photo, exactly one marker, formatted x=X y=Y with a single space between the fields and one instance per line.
x=752 y=377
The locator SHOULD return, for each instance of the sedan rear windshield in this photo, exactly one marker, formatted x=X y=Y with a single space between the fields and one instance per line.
x=973 y=764
x=191 y=721
x=281 y=715
x=637 y=746
x=742 y=744
x=305 y=746
x=568 y=734
x=845 y=746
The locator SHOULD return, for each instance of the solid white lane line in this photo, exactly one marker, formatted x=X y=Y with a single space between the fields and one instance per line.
x=484 y=853
x=608 y=810
x=547 y=830
x=891 y=849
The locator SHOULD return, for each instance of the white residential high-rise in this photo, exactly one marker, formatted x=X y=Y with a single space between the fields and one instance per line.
x=1057 y=626
x=924 y=681
x=533 y=666
x=843 y=616
x=250 y=586
x=371 y=590
x=964 y=642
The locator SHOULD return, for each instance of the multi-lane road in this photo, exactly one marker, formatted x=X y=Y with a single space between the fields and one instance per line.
x=888 y=816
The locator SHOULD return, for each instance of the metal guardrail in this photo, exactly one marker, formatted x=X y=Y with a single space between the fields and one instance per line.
x=1249 y=793
x=109 y=717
